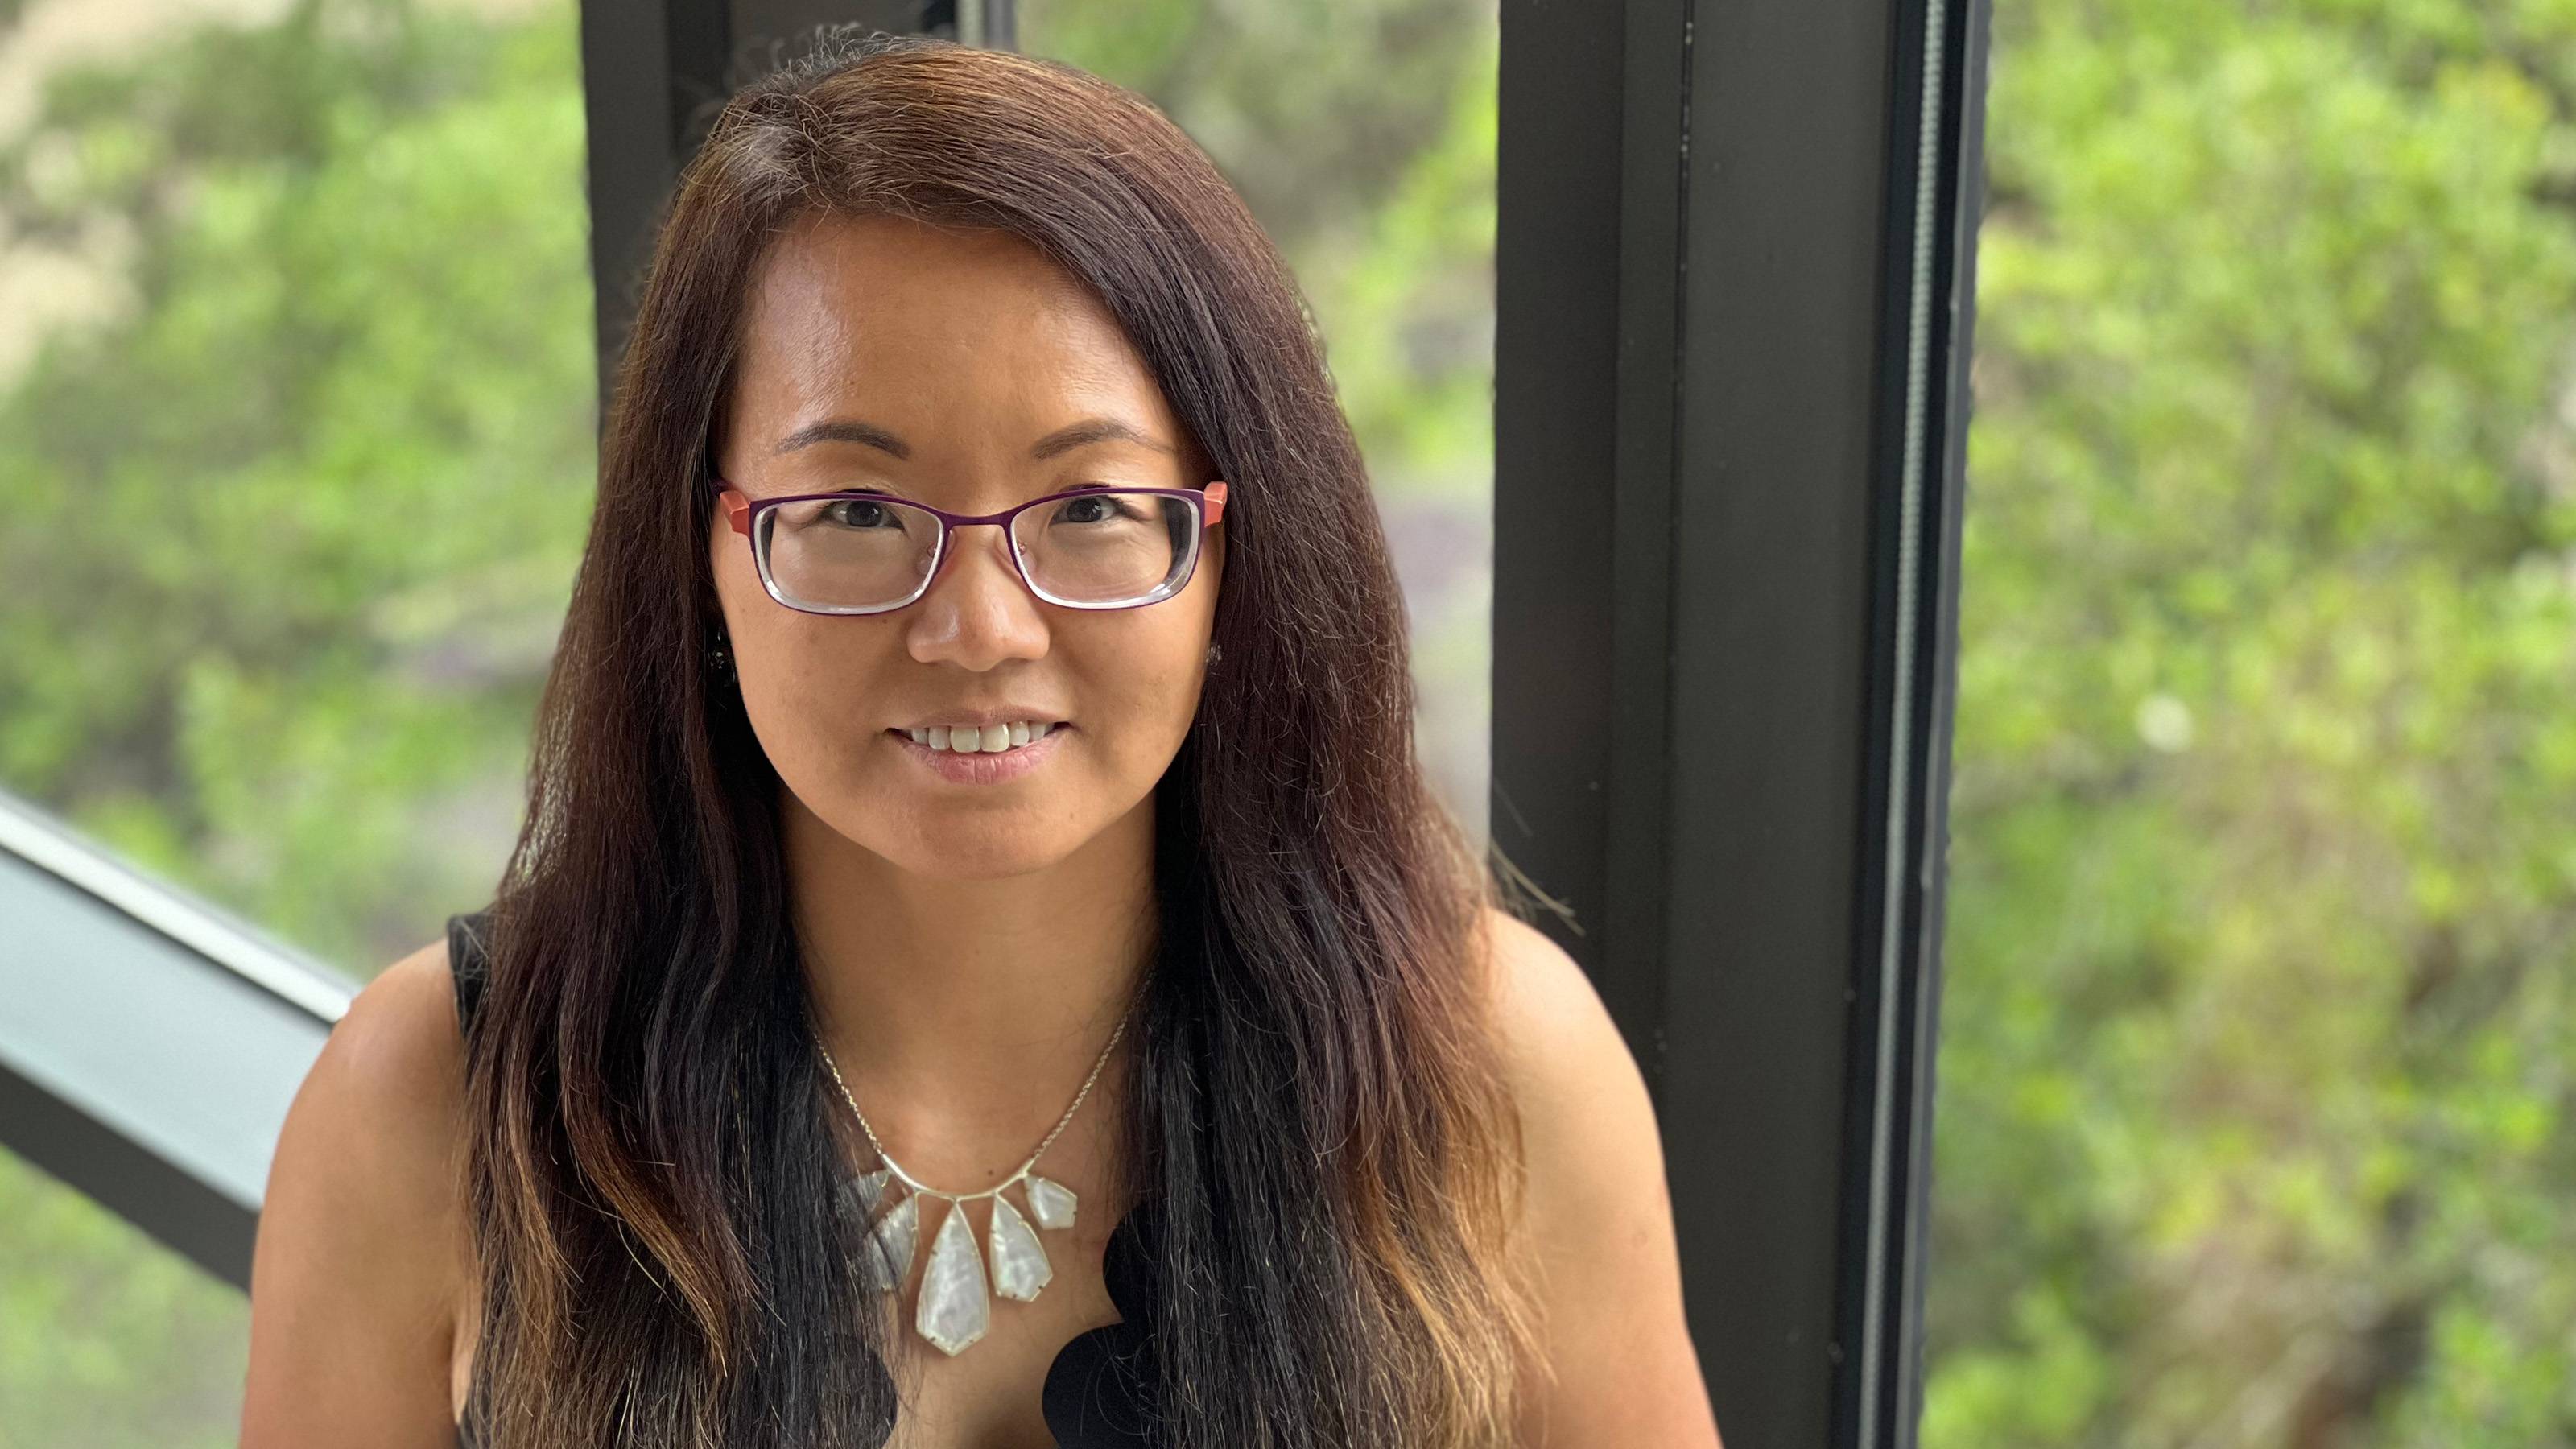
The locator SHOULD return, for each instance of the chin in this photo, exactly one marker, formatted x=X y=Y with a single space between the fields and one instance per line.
x=969 y=851
x=967 y=847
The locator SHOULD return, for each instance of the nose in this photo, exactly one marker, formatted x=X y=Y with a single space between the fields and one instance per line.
x=976 y=612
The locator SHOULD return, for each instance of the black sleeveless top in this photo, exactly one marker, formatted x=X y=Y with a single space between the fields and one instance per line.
x=1100 y=1392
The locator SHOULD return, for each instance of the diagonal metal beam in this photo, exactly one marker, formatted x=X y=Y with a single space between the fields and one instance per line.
x=150 y=1042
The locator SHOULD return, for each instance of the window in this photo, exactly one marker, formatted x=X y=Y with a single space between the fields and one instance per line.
x=2253 y=1124
x=296 y=421
x=106 y=1337
x=299 y=464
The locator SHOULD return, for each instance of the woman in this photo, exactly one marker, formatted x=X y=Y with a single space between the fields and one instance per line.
x=982 y=967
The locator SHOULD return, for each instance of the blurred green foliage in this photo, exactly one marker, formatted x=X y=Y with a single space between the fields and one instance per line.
x=106 y=1338
x=292 y=527
x=2259 y=1035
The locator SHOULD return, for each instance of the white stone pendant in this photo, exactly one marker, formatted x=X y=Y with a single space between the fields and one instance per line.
x=954 y=1310
x=1051 y=1202
x=863 y=1193
x=1020 y=1266
x=886 y=1257
x=955 y=1306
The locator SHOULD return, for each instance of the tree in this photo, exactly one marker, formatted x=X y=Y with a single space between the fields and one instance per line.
x=2253 y=1119
x=288 y=537
x=291 y=532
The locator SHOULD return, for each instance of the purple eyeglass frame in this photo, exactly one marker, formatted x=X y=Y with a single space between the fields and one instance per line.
x=742 y=511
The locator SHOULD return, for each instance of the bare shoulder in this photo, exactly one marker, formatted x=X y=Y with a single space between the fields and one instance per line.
x=1552 y=1019
x=390 y=1082
x=401 y=1036
x=1598 y=1215
x=1588 y=1124
x=356 y=1270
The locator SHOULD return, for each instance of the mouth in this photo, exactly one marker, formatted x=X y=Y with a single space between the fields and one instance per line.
x=1022 y=748
x=992 y=739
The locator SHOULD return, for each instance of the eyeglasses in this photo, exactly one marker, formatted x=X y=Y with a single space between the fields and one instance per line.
x=1092 y=547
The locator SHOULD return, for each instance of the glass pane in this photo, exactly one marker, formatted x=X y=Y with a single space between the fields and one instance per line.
x=108 y=1339
x=1384 y=205
x=2254 y=1120
x=296 y=437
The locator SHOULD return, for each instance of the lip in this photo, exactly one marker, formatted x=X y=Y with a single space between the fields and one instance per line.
x=1005 y=714
x=979 y=768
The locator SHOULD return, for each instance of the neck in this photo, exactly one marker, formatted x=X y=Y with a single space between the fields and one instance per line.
x=965 y=1014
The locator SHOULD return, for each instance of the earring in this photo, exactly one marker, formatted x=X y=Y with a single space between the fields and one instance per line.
x=720 y=659
x=1214 y=654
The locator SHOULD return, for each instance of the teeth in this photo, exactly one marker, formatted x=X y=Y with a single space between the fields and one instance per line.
x=986 y=740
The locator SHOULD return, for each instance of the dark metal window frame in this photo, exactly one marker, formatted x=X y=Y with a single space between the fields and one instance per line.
x=1722 y=705
x=1734 y=283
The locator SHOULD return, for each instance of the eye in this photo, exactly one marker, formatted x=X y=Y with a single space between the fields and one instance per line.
x=857 y=512
x=1105 y=505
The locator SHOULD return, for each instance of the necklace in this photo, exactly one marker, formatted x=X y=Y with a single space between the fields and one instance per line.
x=954 y=1310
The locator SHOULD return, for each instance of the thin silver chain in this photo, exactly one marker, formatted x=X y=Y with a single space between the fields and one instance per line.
x=916 y=1184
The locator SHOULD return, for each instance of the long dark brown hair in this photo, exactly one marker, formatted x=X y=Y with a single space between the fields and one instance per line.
x=1317 y=1103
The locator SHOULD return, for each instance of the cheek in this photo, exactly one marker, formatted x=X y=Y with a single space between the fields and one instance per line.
x=1134 y=692
x=808 y=688
x=807 y=684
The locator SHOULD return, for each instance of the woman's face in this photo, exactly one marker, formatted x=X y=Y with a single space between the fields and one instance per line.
x=963 y=354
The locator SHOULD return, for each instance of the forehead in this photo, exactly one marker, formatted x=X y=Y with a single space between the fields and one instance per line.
x=911 y=324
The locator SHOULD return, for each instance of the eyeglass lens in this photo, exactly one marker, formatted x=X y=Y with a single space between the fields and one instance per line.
x=854 y=552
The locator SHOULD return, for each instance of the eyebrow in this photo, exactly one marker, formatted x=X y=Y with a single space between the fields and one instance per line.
x=1063 y=440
